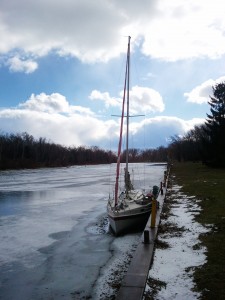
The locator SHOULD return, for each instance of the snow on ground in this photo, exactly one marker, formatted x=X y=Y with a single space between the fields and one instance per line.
x=178 y=250
x=112 y=273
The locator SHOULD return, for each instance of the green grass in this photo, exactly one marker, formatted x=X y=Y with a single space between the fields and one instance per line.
x=208 y=185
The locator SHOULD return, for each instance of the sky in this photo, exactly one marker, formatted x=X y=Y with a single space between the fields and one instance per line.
x=62 y=66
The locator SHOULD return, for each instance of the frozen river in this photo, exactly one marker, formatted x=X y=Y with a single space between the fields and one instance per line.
x=55 y=242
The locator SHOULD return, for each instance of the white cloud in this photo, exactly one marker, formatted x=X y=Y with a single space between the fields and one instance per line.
x=46 y=103
x=54 y=103
x=201 y=94
x=51 y=117
x=142 y=100
x=179 y=125
x=157 y=131
x=179 y=31
x=74 y=129
x=68 y=27
x=82 y=110
x=94 y=30
x=145 y=100
x=105 y=97
x=17 y=65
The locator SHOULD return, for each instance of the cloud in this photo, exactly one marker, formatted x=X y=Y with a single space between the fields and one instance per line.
x=17 y=65
x=157 y=131
x=46 y=103
x=54 y=103
x=70 y=130
x=142 y=100
x=179 y=32
x=68 y=28
x=55 y=127
x=51 y=117
x=201 y=93
x=105 y=97
x=145 y=100
x=94 y=30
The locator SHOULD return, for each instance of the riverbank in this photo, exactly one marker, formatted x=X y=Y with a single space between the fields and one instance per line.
x=208 y=185
x=177 y=251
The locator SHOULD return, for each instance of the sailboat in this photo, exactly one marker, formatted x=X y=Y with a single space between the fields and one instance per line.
x=131 y=207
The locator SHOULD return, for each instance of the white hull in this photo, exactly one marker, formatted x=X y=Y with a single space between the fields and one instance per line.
x=129 y=218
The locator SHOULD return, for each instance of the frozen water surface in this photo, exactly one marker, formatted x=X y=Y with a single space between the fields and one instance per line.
x=54 y=234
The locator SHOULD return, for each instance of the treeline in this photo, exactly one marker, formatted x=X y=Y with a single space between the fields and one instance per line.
x=159 y=154
x=24 y=151
x=205 y=143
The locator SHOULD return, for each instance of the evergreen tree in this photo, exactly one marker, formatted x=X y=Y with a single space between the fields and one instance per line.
x=215 y=127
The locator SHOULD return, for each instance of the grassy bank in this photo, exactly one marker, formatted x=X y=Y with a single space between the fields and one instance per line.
x=208 y=185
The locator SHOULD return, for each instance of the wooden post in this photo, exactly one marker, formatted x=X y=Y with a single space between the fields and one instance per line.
x=146 y=237
x=153 y=213
x=165 y=176
x=161 y=188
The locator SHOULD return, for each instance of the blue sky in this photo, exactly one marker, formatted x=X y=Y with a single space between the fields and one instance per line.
x=62 y=68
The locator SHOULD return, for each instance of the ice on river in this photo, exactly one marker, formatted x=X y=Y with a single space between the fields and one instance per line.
x=54 y=234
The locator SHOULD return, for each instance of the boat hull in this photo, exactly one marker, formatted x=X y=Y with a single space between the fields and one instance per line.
x=124 y=222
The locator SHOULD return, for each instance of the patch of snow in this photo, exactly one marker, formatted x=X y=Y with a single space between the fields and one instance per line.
x=174 y=265
x=113 y=272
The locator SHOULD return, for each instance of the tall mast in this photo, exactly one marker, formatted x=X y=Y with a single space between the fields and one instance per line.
x=121 y=132
x=127 y=180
